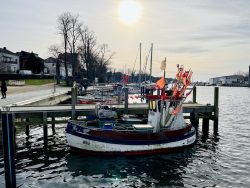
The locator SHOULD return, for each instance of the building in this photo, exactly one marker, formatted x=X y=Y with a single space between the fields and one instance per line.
x=24 y=58
x=50 y=65
x=9 y=61
x=73 y=60
x=227 y=80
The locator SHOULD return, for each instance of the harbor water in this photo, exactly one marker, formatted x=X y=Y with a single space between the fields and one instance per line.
x=221 y=160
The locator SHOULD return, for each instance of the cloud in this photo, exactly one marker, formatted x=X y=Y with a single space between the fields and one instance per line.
x=183 y=49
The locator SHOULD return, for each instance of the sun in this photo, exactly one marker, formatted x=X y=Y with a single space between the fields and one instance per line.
x=129 y=11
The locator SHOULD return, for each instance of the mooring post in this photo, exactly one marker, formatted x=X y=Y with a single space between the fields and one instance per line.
x=194 y=94
x=194 y=118
x=126 y=101
x=27 y=127
x=73 y=102
x=53 y=125
x=45 y=128
x=205 y=124
x=8 y=150
x=216 y=109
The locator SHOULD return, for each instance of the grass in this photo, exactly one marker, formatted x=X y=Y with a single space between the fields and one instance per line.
x=38 y=81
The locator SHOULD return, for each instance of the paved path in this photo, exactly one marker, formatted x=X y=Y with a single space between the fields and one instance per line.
x=25 y=93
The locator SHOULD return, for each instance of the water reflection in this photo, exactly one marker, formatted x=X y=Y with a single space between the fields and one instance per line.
x=160 y=170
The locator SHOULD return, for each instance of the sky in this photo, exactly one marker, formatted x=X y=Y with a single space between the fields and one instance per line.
x=210 y=37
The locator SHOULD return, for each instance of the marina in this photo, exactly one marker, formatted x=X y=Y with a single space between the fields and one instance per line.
x=52 y=115
x=57 y=159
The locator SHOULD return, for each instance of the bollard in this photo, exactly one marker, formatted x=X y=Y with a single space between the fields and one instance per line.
x=8 y=150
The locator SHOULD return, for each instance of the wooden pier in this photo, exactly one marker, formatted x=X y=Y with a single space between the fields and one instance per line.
x=44 y=115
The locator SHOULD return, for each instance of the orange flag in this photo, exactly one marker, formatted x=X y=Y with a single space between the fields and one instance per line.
x=176 y=110
x=160 y=83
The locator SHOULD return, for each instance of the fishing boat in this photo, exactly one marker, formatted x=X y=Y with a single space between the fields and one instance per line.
x=164 y=131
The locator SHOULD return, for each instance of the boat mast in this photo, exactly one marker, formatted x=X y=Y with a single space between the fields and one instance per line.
x=151 y=58
x=140 y=69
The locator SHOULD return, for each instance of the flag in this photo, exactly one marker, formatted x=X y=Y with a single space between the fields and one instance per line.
x=163 y=64
x=160 y=83
x=176 y=110
x=179 y=74
x=188 y=93
x=189 y=78
x=184 y=77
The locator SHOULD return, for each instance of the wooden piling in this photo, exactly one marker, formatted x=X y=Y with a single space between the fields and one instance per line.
x=216 y=109
x=27 y=127
x=73 y=102
x=45 y=129
x=8 y=150
x=53 y=125
x=126 y=101
x=194 y=94
x=14 y=132
x=205 y=125
x=194 y=118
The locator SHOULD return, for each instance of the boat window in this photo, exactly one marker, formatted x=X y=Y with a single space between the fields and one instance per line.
x=105 y=107
x=152 y=105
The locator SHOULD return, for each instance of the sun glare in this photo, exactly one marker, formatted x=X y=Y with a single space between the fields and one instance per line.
x=129 y=11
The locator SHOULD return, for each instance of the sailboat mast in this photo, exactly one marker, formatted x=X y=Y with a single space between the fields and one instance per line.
x=140 y=69
x=151 y=58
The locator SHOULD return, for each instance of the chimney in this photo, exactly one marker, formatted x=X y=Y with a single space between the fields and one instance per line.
x=4 y=48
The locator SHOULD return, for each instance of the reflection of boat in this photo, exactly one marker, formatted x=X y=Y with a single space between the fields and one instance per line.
x=165 y=130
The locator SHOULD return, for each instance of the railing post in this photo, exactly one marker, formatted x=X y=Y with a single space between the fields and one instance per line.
x=8 y=150
x=216 y=109
x=194 y=94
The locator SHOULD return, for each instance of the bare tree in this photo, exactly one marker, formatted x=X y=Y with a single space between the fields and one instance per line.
x=74 y=34
x=103 y=61
x=55 y=50
x=87 y=49
x=64 y=26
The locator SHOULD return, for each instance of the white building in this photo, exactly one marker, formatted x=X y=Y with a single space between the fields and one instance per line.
x=9 y=61
x=227 y=80
x=50 y=67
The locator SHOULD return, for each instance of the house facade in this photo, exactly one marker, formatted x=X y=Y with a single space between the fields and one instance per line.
x=72 y=60
x=9 y=61
x=50 y=65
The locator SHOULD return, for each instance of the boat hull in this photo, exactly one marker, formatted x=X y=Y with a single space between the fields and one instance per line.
x=136 y=144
